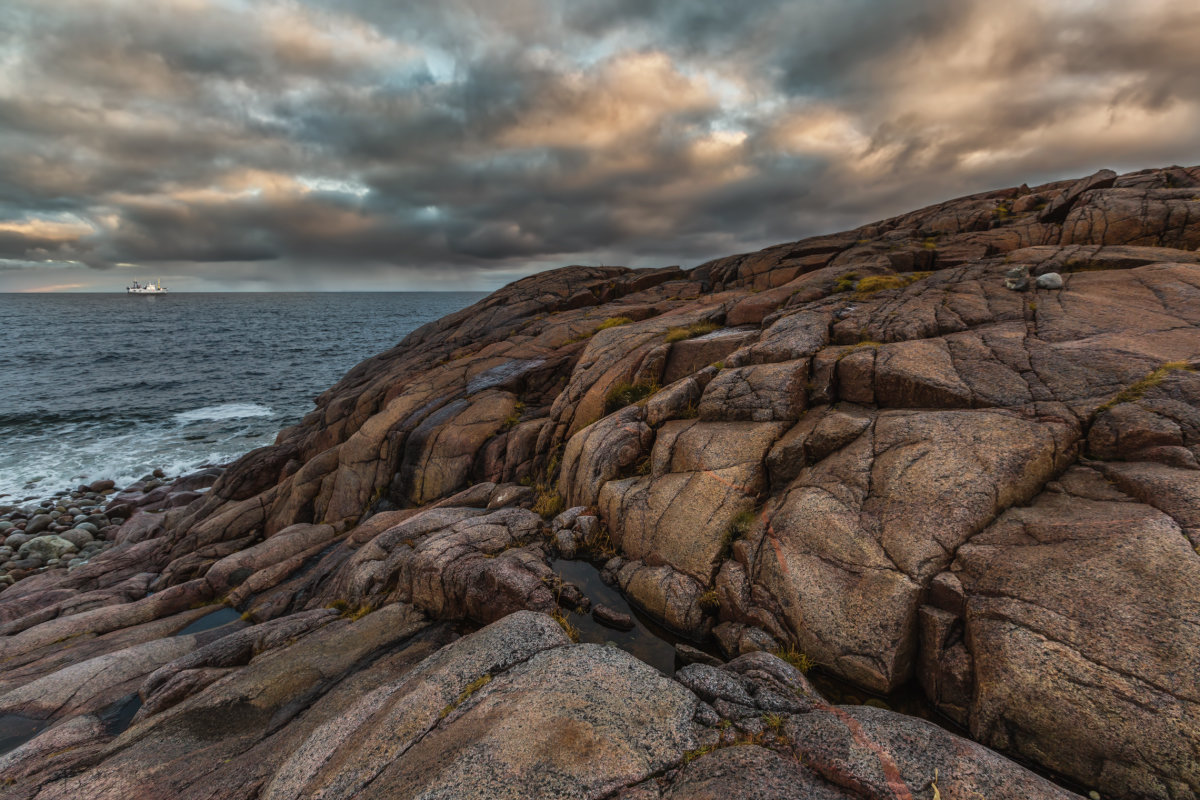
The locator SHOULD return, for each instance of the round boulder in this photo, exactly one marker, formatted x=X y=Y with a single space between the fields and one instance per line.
x=17 y=539
x=78 y=536
x=1051 y=280
x=46 y=548
x=39 y=524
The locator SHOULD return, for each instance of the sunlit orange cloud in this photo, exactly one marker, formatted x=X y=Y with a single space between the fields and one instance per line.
x=628 y=96
x=46 y=229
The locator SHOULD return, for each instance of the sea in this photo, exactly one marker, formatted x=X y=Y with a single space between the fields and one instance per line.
x=115 y=386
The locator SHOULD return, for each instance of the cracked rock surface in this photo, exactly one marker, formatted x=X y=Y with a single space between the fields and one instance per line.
x=881 y=458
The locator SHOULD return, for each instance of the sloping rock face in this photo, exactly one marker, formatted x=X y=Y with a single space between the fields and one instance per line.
x=511 y=711
x=881 y=457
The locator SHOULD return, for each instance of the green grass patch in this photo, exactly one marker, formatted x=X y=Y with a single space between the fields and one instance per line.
x=565 y=623
x=624 y=393
x=612 y=322
x=797 y=659
x=547 y=502
x=471 y=688
x=600 y=543
x=1136 y=390
x=512 y=419
x=845 y=283
x=877 y=283
x=679 y=334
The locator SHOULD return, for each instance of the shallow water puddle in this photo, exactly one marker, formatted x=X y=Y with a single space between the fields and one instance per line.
x=646 y=641
x=222 y=616
x=117 y=715
x=16 y=730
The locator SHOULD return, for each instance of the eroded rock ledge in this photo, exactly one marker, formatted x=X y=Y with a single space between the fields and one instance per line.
x=862 y=447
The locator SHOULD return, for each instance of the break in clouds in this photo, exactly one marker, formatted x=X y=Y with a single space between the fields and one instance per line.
x=463 y=143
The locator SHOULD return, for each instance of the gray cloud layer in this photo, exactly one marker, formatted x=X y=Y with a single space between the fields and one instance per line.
x=465 y=141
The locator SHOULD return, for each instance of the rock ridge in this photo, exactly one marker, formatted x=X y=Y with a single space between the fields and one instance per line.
x=861 y=451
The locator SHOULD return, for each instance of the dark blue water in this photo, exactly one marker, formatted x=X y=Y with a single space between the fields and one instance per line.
x=113 y=386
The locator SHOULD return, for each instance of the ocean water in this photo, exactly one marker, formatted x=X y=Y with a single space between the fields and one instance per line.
x=113 y=386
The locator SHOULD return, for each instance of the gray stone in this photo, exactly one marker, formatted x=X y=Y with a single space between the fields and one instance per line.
x=713 y=684
x=46 y=548
x=691 y=655
x=17 y=540
x=1051 y=280
x=564 y=540
x=39 y=524
x=706 y=715
x=611 y=618
x=79 y=537
x=587 y=526
x=567 y=518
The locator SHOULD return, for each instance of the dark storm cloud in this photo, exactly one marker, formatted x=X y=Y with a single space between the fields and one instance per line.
x=505 y=136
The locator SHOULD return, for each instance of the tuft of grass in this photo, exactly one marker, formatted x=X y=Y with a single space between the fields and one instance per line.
x=710 y=600
x=690 y=411
x=741 y=525
x=720 y=365
x=1137 y=389
x=512 y=419
x=791 y=655
x=845 y=283
x=876 y=283
x=565 y=623
x=691 y=755
x=773 y=723
x=624 y=393
x=930 y=243
x=600 y=543
x=612 y=322
x=348 y=612
x=471 y=688
x=638 y=468
x=863 y=345
x=358 y=613
x=548 y=502
x=1002 y=212
x=679 y=334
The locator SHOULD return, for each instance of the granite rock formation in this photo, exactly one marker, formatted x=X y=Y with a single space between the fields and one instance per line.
x=861 y=447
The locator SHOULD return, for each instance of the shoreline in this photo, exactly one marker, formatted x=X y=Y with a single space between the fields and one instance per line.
x=34 y=538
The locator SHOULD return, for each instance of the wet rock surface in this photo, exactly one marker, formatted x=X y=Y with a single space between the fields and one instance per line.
x=955 y=450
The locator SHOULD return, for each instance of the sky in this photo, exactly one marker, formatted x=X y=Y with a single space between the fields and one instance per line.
x=226 y=145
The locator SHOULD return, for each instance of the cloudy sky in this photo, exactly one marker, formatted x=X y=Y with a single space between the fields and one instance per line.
x=358 y=144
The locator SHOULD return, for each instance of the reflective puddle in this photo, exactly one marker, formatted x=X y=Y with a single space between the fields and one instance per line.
x=646 y=641
x=222 y=616
x=16 y=730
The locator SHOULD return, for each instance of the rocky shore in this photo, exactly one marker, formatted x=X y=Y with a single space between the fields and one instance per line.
x=68 y=529
x=953 y=453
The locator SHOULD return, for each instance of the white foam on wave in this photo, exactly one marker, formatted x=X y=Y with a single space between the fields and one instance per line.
x=38 y=463
x=224 y=411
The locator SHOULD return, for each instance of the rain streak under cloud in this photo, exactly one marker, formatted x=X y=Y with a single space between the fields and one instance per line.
x=226 y=144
